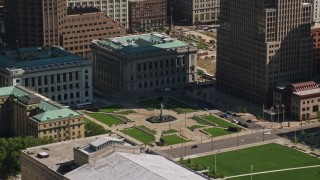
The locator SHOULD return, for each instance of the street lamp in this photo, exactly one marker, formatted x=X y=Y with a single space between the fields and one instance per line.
x=185 y=119
x=278 y=107
x=211 y=143
x=251 y=170
x=271 y=117
x=215 y=162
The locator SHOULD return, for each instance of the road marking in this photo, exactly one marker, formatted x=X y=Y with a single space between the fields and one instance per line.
x=279 y=170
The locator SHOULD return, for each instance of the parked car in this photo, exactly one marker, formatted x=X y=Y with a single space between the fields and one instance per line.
x=234 y=121
x=267 y=133
x=240 y=123
x=249 y=121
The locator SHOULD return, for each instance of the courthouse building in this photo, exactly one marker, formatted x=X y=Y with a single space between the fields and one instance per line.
x=143 y=62
x=51 y=71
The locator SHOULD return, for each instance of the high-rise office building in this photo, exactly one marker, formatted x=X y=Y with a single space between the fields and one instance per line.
x=195 y=11
x=316 y=10
x=262 y=43
x=31 y=23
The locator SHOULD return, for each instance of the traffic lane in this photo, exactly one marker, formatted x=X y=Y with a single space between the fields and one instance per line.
x=221 y=144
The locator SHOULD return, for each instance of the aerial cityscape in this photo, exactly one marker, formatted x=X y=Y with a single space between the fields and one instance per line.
x=159 y=89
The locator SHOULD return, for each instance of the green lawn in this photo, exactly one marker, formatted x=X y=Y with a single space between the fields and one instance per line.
x=109 y=109
x=220 y=122
x=169 y=131
x=92 y=129
x=173 y=139
x=192 y=128
x=307 y=174
x=181 y=107
x=264 y=158
x=150 y=104
x=106 y=119
x=139 y=135
x=216 y=131
x=126 y=112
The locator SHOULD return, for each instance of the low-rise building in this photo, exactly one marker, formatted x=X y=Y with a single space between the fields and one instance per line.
x=143 y=62
x=300 y=100
x=24 y=112
x=147 y=14
x=51 y=71
x=102 y=157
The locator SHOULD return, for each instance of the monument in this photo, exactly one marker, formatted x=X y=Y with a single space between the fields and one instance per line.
x=161 y=118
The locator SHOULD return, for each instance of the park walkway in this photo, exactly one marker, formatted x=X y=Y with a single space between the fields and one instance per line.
x=278 y=170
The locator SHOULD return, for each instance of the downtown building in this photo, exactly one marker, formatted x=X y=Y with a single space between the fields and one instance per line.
x=143 y=62
x=316 y=10
x=31 y=23
x=24 y=112
x=99 y=157
x=115 y=9
x=147 y=14
x=50 y=71
x=261 y=44
x=195 y=12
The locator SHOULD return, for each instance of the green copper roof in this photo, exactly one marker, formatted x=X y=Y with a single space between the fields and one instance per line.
x=55 y=114
x=12 y=90
x=141 y=43
x=51 y=110
x=37 y=57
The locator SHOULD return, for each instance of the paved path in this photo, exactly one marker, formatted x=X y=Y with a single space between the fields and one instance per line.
x=278 y=170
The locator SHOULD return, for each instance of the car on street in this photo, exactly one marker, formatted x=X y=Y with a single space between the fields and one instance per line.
x=234 y=121
x=267 y=133
x=249 y=121
x=194 y=146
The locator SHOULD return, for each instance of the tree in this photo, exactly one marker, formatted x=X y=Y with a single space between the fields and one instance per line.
x=303 y=134
x=93 y=129
x=244 y=110
x=239 y=109
x=10 y=151
x=200 y=72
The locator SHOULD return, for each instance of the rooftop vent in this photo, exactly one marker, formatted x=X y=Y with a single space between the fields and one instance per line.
x=42 y=155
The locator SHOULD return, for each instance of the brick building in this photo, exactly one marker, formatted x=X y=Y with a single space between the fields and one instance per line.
x=301 y=100
x=147 y=14
x=32 y=23
x=316 y=53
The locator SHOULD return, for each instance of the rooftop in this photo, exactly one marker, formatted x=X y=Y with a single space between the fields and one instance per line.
x=81 y=10
x=29 y=57
x=127 y=166
x=140 y=43
x=50 y=109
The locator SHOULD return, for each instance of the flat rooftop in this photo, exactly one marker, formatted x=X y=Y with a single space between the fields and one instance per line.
x=38 y=56
x=127 y=166
x=61 y=152
x=140 y=43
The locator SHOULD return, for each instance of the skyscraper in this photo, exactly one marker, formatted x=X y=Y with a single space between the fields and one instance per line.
x=262 y=43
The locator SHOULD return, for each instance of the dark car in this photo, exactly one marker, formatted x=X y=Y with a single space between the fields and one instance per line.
x=245 y=125
x=249 y=121
x=194 y=146
x=240 y=123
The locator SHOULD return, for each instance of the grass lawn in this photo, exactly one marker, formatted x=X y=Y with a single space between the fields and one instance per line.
x=106 y=119
x=93 y=129
x=181 y=106
x=264 y=158
x=126 y=112
x=307 y=174
x=173 y=139
x=169 y=131
x=109 y=109
x=220 y=122
x=192 y=128
x=139 y=135
x=216 y=131
x=150 y=104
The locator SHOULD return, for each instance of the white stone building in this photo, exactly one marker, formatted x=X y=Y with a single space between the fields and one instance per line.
x=143 y=62
x=51 y=71
x=115 y=9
